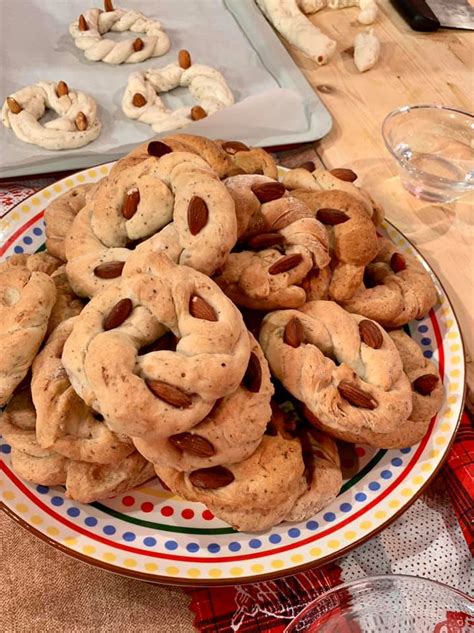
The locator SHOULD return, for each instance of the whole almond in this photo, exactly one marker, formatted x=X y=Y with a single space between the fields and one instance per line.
x=265 y=240
x=184 y=58
x=344 y=174
x=332 y=216
x=424 y=385
x=138 y=100
x=138 y=44
x=198 y=215
x=232 y=147
x=108 y=6
x=308 y=165
x=293 y=334
x=267 y=191
x=252 y=379
x=357 y=397
x=130 y=204
x=62 y=89
x=397 y=263
x=198 y=113
x=371 y=334
x=211 y=478
x=200 y=309
x=81 y=121
x=193 y=443
x=13 y=105
x=158 y=149
x=83 y=26
x=169 y=394
x=109 y=270
x=119 y=313
x=286 y=263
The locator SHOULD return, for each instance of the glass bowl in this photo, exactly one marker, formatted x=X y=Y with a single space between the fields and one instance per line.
x=433 y=147
x=388 y=604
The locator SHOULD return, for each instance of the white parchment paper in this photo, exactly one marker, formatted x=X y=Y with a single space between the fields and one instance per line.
x=36 y=45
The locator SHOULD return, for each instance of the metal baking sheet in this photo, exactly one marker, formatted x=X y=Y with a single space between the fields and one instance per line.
x=231 y=35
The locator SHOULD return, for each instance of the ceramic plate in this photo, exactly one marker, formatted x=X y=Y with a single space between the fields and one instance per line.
x=147 y=533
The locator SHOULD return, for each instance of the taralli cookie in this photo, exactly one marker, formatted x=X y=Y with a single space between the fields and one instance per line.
x=64 y=422
x=338 y=179
x=89 y=30
x=252 y=495
x=59 y=216
x=84 y=482
x=124 y=210
x=141 y=100
x=143 y=392
x=396 y=289
x=344 y=368
x=27 y=298
x=352 y=234
x=76 y=125
x=230 y=433
x=426 y=385
x=249 y=160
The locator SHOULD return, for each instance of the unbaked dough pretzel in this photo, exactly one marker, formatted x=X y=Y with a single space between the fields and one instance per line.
x=64 y=422
x=321 y=179
x=344 y=368
x=396 y=288
x=142 y=392
x=141 y=99
x=353 y=238
x=230 y=433
x=288 y=19
x=125 y=209
x=27 y=297
x=59 y=216
x=84 y=482
x=77 y=123
x=89 y=29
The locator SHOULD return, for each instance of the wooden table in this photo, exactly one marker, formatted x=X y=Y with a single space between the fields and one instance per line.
x=413 y=68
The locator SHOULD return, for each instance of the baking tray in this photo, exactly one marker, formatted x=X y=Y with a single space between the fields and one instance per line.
x=231 y=35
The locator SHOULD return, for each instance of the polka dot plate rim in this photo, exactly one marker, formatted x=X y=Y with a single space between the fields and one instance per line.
x=149 y=534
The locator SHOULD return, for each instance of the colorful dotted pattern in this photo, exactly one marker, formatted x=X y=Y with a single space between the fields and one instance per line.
x=189 y=538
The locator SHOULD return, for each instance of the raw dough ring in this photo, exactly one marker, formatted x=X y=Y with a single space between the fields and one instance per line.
x=77 y=123
x=141 y=99
x=141 y=391
x=88 y=34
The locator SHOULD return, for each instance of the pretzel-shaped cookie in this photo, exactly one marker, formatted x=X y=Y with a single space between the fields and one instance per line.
x=27 y=298
x=77 y=123
x=288 y=477
x=286 y=242
x=230 y=433
x=64 y=422
x=125 y=209
x=396 y=289
x=338 y=179
x=344 y=368
x=207 y=86
x=84 y=482
x=352 y=234
x=89 y=29
x=60 y=214
x=160 y=393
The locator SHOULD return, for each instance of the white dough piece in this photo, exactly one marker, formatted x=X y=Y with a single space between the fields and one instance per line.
x=288 y=19
x=206 y=85
x=366 y=50
x=97 y=48
x=59 y=133
x=368 y=8
x=311 y=6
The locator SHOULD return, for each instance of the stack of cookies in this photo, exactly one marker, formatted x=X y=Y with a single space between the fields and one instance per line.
x=233 y=332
